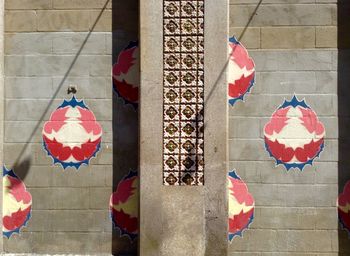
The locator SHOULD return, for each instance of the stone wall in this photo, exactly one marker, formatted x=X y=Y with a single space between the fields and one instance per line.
x=48 y=46
x=293 y=44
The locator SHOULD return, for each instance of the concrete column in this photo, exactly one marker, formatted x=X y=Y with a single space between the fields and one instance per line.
x=216 y=126
x=183 y=220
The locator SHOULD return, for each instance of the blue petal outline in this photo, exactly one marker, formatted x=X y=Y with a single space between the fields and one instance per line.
x=131 y=236
x=295 y=102
x=299 y=166
x=233 y=174
x=232 y=101
x=17 y=230
x=131 y=44
x=73 y=102
x=71 y=164
x=231 y=236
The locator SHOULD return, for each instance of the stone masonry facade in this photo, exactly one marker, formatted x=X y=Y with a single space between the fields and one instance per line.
x=47 y=48
x=294 y=46
x=49 y=45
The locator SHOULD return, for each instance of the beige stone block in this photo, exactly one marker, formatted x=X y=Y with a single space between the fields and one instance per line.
x=101 y=22
x=249 y=37
x=287 y=37
x=283 y=15
x=326 y=37
x=81 y=4
x=28 y=4
x=20 y=21
x=66 y=20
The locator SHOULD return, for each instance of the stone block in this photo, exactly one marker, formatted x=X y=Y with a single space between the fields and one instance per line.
x=28 y=87
x=62 y=198
x=56 y=176
x=283 y=15
x=281 y=218
x=88 y=87
x=20 y=21
x=60 y=243
x=192 y=213
x=100 y=65
x=326 y=37
x=63 y=20
x=29 y=131
x=69 y=221
x=28 y=43
x=329 y=194
x=46 y=65
x=293 y=60
x=306 y=241
x=80 y=4
x=257 y=240
x=327 y=218
x=27 y=4
x=249 y=37
x=29 y=110
x=99 y=197
x=101 y=21
x=255 y=105
x=244 y=127
x=72 y=43
x=287 y=37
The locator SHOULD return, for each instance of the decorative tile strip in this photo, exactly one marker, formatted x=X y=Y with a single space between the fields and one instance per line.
x=183 y=135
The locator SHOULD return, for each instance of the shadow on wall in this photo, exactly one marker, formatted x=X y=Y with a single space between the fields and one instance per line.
x=125 y=32
x=344 y=109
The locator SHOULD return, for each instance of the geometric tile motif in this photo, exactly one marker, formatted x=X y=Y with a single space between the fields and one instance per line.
x=183 y=119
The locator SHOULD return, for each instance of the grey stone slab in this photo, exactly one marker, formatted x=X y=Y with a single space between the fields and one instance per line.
x=30 y=110
x=293 y=60
x=28 y=87
x=71 y=43
x=283 y=15
x=69 y=221
x=28 y=43
x=87 y=87
x=304 y=82
x=264 y=105
x=295 y=218
x=55 y=176
x=60 y=198
x=46 y=65
x=100 y=65
x=99 y=197
x=60 y=243
x=244 y=127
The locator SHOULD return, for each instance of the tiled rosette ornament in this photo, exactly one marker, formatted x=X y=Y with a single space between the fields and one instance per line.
x=344 y=208
x=294 y=136
x=241 y=71
x=72 y=136
x=123 y=206
x=17 y=204
x=183 y=87
x=126 y=74
x=241 y=206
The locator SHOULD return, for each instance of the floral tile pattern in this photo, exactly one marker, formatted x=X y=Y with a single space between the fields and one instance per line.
x=183 y=143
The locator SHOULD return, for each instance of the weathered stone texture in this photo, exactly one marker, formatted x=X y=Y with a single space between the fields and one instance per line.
x=48 y=47
x=292 y=44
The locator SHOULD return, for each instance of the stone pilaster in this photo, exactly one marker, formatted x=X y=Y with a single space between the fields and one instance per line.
x=183 y=220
